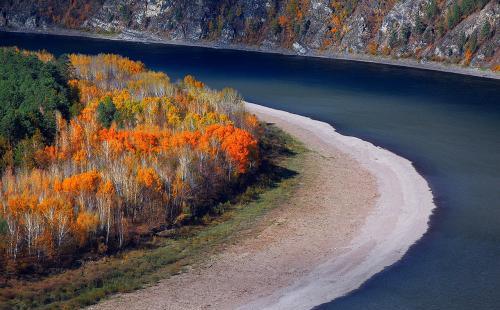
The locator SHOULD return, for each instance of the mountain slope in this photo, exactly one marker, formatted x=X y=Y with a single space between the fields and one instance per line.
x=463 y=32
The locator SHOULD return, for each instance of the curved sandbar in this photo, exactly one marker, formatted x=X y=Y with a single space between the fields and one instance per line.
x=400 y=218
x=357 y=210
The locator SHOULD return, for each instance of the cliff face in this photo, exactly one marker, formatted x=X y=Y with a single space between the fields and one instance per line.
x=464 y=32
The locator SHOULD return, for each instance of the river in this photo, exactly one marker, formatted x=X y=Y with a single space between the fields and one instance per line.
x=447 y=124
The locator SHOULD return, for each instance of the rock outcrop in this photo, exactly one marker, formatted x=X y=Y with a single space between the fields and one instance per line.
x=463 y=32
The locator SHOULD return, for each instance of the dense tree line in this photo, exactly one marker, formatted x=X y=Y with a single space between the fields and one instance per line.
x=142 y=153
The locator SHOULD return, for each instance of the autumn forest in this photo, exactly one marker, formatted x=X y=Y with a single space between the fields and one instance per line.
x=110 y=151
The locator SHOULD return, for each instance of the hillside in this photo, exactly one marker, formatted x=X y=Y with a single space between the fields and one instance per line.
x=463 y=32
x=138 y=153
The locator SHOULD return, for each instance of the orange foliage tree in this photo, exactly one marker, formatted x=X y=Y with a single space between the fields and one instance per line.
x=170 y=151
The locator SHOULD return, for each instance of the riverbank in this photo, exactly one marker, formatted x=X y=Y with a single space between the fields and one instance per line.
x=168 y=252
x=148 y=38
x=357 y=210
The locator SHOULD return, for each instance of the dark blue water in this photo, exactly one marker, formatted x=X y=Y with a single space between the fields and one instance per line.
x=448 y=125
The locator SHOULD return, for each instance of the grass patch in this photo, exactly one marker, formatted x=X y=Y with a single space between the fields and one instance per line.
x=160 y=257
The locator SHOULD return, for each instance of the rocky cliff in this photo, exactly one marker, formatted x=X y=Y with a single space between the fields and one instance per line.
x=464 y=32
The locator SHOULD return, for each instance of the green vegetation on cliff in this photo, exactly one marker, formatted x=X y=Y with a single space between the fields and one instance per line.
x=421 y=29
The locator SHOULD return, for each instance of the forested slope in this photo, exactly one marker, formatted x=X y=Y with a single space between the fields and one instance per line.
x=464 y=32
x=133 y=153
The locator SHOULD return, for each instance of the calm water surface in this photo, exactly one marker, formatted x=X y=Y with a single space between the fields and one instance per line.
x=447 y=124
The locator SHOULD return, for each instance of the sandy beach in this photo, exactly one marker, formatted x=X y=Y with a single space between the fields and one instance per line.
x=358 y=210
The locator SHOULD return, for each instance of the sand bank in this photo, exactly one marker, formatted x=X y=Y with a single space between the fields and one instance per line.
x=358 y=209
x=399 y=219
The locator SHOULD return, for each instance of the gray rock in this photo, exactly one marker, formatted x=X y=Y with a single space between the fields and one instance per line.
x=254 y=23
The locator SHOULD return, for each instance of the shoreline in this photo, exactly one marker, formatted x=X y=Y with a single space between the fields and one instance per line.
x=405 y=204
x=358 y=210
x=137 y=37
